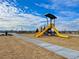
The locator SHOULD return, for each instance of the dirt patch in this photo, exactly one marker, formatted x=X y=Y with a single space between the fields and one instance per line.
x=13 y=48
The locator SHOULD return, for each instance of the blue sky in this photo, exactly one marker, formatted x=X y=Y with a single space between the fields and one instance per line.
x=29 y=14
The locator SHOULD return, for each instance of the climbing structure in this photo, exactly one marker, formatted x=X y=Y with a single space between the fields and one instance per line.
x=49 y=28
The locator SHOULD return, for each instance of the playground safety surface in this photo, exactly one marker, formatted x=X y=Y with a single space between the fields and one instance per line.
x=72 y=42
x=14 y=48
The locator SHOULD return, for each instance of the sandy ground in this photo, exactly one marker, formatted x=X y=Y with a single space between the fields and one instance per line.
x=13 y=48
x=72 y=42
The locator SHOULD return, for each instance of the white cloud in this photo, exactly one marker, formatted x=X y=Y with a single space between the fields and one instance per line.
x=66 y=2
x=69 y=13
x=63 y=24
x=47 y=6
x=26 y=7
x=35 y=13
x=57 y=5
x=11 y=18
x=7 y=10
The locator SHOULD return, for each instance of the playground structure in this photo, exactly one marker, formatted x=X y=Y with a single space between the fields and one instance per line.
x=50 y=29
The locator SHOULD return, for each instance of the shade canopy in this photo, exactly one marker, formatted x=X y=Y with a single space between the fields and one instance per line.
x=51 y=16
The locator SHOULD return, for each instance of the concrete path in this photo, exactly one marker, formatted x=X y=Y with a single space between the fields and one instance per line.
x=74 y=35
x=65 y=52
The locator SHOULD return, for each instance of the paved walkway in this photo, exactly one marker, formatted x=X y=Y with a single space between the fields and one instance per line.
x=65 y=52
x=74 y=35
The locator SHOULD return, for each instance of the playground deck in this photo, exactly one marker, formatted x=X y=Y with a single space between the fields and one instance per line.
x=14 y=48
x=72 y=42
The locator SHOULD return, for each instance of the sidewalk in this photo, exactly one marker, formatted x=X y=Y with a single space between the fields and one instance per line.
x=65 y=52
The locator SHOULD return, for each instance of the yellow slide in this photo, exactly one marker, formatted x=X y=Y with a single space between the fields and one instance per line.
x=57 y=32
x=41 y=33
x=53 y=27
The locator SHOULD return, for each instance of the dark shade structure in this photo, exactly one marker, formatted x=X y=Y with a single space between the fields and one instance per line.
x=6 y=33
x=50 y=16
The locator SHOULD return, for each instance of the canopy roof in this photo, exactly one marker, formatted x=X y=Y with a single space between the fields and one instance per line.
x=50 y=16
